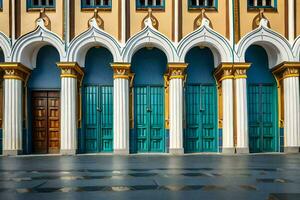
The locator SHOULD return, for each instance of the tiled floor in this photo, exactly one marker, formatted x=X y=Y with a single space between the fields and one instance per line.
x=265 y=176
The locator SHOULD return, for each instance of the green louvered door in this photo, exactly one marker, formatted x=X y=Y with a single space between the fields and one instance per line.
x=201 y=119
x=262 y=118
x=149 y=118
x=98 y=113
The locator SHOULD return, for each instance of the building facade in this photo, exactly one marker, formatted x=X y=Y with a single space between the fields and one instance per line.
x=149 y=76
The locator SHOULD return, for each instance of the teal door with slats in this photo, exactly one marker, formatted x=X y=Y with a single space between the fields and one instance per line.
x=201 y=133
x=262 y=112
x=98 y=119
x=149 y=118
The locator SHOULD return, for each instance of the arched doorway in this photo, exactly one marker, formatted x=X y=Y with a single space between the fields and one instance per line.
x=44 y=103
x=262 y=102
x=97 y=134
x=201 y=130
x=148 y=134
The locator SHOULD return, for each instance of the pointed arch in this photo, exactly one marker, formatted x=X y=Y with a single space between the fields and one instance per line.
x=277 y=47
x=5 y=46
x=296 y=49
x=27 y=47
x=92 y=37
x=149 y=36
x=205 y=36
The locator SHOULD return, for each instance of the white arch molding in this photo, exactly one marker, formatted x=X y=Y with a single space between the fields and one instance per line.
x=27 y=47
x=276 y=46
x=206 y=36
x=296 y=49
x=5 y=46
x=92 y=37
x=149 y=37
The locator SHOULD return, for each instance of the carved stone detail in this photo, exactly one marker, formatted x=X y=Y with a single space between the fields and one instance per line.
x=260 y=19
x=15 y=71
x=202 y=19
x=96 y=19
x=150 y=18
x=71 y=70
x=121 y=70
x=287 y=69
x=176 y=70
x=46 y=20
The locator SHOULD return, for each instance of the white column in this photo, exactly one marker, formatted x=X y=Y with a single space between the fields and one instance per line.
x=227 y=94
x=291 y=21
x=291 y=114
x=176 y=116
x=121 y=116
x=242 y=145
x=68 y=122
x=12 y=129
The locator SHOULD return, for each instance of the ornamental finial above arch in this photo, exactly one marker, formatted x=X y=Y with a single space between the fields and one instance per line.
x=201 y=20
x=150 y=20
x=96 y=20
x=43 y=20
x=260 y=20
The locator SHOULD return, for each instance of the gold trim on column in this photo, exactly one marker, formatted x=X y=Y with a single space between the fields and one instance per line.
x=71 y=70
x=280 y=72
x=15 y=71
x=121 y=70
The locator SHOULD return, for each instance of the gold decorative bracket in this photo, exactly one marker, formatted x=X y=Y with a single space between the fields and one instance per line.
x=71 y=70
x=121 y=70
x=15 y=71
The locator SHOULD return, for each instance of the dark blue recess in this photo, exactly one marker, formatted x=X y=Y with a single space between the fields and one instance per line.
x=259 y=71
x=149 y=66
x=46 y=75
x=1 y=55
x=200 y=66
x=97 y=67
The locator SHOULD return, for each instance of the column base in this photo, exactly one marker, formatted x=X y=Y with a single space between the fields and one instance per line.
x=11 y=152
x=177 y=151
x=121 y=152
x=291 y=149
x=228 y=150
x=68 y=152
x=242 y=150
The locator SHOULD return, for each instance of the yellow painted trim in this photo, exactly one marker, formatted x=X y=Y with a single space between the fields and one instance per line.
x=290 y=75
x=240 y=77
x=177 y=77
x=226 y=77
x=121 y=76
x=13 y=77
x=68 y=76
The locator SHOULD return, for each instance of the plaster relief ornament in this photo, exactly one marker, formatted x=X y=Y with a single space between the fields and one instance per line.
x=43 y=20
x=96 y=20
x=202 y=20
x=260 y=20
x=150 y=20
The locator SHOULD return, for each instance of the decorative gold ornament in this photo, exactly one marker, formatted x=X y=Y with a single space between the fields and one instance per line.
x=15 y=71
x=257 y=19
x=240 y=70
x=199 y=19
x=71 y=70
x=121 y=70
x=153 y=19
x=45 y=19
x=99 y=21
x=286 y=70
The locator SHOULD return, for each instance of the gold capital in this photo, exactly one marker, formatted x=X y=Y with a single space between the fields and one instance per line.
x=15 y=71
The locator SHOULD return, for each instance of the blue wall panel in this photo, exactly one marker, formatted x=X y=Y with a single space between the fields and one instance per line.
x=259 y=71
x=46 y=75
x=149 y=66
x=97 y=67
x=200 y=66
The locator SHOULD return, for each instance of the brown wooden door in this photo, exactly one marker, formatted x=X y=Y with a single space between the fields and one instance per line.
x=46 y=131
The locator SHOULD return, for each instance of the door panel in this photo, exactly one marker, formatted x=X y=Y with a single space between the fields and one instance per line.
x=149 y=118
x=201 y=119
x=262 y=118
x=46 y=129
x=98 y=119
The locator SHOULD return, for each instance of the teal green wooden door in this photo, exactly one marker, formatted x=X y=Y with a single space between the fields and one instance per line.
x=149 y=118
x=201 y=119
x=98 y=118
x=262 y=118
